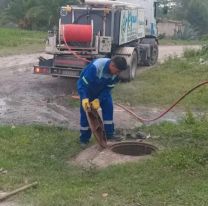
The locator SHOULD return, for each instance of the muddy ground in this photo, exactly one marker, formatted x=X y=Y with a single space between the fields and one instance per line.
x=26 y=98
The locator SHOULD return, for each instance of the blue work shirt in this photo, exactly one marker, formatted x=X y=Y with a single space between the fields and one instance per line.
x=96 y=80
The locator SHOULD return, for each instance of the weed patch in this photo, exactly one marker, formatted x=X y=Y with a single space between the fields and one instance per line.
x=180 y=42
x=13 y=41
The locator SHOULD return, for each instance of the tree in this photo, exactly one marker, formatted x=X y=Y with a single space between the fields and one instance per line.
x=3 y=4
x=34 y=14
x=193 y=11
x=197 y=15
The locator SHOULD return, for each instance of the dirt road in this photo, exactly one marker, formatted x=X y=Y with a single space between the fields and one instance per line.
x=26 y=98
x=166 y=51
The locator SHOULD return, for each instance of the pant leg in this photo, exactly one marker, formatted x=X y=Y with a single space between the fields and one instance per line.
x=85 y=131
x=106 y=104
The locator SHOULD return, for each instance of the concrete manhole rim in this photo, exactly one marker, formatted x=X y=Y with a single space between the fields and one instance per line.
x=151 y=147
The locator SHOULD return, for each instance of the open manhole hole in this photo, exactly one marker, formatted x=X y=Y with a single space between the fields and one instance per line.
x=133 y=148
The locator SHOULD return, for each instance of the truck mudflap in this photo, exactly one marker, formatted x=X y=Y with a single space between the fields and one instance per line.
x=57 y=72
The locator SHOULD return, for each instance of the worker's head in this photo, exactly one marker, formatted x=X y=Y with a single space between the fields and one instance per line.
x=117 y=65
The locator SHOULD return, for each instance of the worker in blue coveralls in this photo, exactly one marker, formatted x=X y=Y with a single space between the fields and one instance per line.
x=94 y=87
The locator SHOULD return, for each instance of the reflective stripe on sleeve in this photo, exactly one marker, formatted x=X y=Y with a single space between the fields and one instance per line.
x=111 y=85
x=84 y=128
x=108 y=122
x=84 y=79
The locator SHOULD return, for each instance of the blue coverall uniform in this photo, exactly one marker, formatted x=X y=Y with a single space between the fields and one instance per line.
x=96 y=81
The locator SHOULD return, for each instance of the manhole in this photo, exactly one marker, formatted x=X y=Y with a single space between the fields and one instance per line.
x=133 y=148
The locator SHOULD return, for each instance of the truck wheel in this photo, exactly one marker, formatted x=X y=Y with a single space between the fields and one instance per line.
x=133 y=66
x=154 y=56
x=130 y=73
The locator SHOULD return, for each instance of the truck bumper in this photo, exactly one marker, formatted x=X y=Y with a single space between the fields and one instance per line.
x=57 y=71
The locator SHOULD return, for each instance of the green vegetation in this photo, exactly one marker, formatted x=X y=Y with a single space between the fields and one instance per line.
x=193 y=11
x=177 y=175
x=165 y=83
x=43 y=14
x=32 y=14
x=13 y=41
x=166 y=41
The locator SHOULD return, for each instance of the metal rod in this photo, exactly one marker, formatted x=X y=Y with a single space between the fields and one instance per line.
x=59 y=32
x=112 y=24
x=72 y=16
x=104 y=24
x=92 y=9
x=92 y=24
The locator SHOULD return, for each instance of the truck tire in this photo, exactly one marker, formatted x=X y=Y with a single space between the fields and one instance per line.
x=154 y=56
x=133 y=65
x=132 y=62
x=153 y=53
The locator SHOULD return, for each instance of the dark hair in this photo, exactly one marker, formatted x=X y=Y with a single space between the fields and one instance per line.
x=120 y=62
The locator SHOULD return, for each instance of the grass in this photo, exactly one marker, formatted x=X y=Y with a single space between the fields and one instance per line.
x=180 y=42
x=163 y=84
x=15 y=41
x=177 y=175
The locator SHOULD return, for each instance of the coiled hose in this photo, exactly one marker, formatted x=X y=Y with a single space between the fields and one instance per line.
x=73 y=52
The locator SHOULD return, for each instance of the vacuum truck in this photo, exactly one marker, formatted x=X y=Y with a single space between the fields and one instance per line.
x=101 y=28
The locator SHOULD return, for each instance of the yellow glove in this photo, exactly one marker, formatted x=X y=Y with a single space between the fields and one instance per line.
x=85 y=104
x=95 y=104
